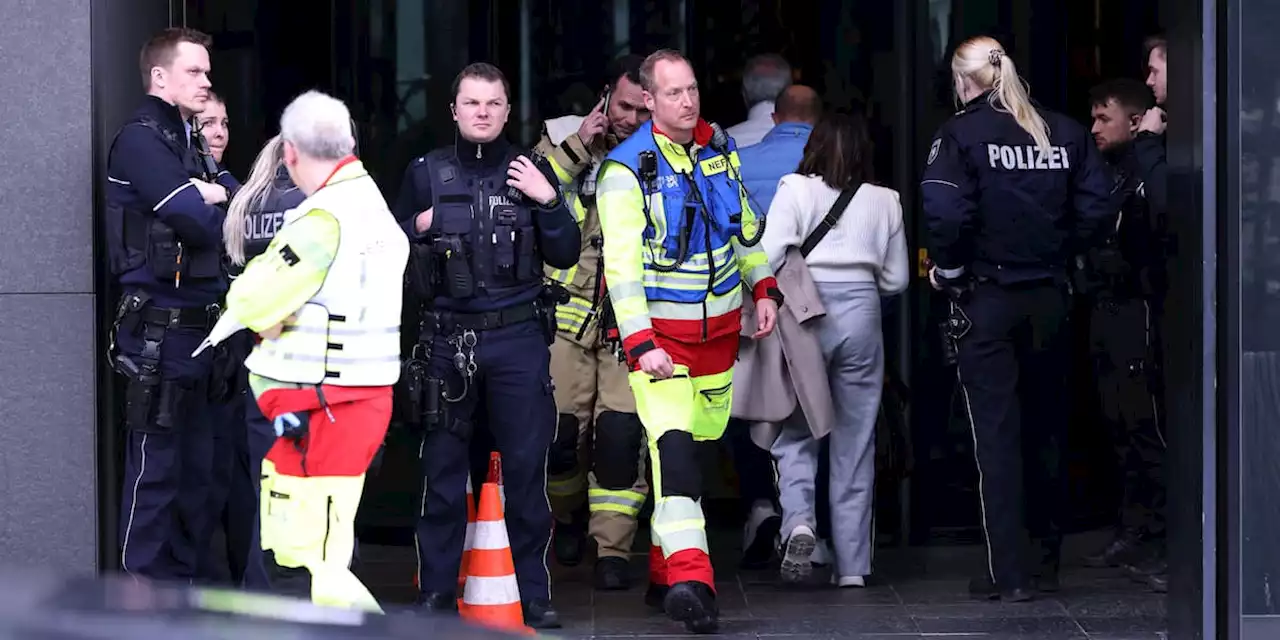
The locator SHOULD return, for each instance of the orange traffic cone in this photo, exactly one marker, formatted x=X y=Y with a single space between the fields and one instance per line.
x=470 y=536
x=492 y=596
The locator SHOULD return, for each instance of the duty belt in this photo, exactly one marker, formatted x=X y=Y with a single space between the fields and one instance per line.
x=486 y=320
x=188 y=318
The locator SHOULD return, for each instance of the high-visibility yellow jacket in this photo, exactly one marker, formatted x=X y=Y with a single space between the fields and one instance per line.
x=332 y=275
x=674 y=264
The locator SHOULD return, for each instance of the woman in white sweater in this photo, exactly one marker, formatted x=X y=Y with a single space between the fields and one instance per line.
x=863 y=256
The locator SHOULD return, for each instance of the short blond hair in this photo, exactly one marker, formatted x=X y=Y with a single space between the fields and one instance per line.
x=651 y=62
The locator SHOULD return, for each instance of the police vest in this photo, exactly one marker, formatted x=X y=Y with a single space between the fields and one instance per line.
x=1116 y=264
x=348 y=334
x=137 y=238
x=492 y=222
x=690 y=221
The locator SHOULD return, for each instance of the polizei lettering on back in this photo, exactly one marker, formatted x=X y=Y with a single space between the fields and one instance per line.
x=1027 y=158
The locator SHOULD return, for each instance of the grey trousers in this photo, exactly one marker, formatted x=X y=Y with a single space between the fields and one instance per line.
x=853 y=349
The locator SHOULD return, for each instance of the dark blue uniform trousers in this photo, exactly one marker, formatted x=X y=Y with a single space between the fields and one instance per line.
x=242 y=438
x=164 y=514
x=1013 y=374
x=513 y=381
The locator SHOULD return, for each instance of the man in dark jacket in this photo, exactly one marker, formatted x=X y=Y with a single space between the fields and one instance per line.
x=164 y=238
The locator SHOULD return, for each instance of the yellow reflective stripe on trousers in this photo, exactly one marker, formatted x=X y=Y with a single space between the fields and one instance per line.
x=625 y=501
x=679 y=525
x=567 y=486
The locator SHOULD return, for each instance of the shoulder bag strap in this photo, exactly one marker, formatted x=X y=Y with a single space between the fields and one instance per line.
x=829 y=220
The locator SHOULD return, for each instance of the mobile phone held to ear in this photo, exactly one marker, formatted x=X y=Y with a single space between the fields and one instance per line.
x=606 y=95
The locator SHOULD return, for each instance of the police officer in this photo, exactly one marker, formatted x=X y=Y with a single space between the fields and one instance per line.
x=1009 y=191
x=256 y=212
x=1125 y=280
x=164 y=233
x=599 y=438
x=485 y=220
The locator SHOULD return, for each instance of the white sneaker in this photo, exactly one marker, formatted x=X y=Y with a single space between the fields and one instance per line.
x=796 y=565
x=848 y=581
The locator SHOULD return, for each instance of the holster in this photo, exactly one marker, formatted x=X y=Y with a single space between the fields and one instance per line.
x=553 y=294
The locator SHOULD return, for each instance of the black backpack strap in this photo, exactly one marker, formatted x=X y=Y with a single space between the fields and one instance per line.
x=829 y=220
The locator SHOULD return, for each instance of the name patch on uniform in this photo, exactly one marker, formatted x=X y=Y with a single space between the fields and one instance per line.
x=287 y=254
x=712 y=166
x=499 y=200
x=1027 y=158
x=933 y=151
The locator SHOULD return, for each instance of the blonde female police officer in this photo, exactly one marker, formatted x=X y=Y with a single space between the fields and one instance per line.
x=1010 y=192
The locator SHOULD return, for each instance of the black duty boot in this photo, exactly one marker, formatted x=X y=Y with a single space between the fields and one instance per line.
x=984 y=589
x=613 y=574
x=539 y=614
x=1159 y=582
x=438 y=603
x=569 y=539
x=1125 y=548
x=694 y=604
x=1141 y=571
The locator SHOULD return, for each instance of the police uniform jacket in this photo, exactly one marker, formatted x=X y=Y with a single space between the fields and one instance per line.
x=1130 y=260
x=475 y=177
x=149 y=171
x=1002 y=209
x=265 y=220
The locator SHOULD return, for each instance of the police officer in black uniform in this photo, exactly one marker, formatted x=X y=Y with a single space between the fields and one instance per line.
x=1125 y=281
x=256 y=212
x=1010 y=191
x=164 y=236
x=484 y=219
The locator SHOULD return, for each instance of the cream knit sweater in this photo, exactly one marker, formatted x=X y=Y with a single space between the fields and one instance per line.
x=866 y=245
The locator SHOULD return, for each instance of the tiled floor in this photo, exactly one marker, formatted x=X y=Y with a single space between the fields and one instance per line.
x=915 y=593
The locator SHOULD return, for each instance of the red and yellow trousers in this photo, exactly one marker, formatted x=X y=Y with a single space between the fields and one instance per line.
x=311 y=489
x=691 y=406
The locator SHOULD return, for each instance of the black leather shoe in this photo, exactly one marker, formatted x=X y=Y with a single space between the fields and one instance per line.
x=568 y=542
x=1159 y=582
x=655 y=595
x=438 y=603
x=1125 y=548
x=983 y=589
x=1141 y=571
x=694 y=604
x=539 y=615
x=613 y=574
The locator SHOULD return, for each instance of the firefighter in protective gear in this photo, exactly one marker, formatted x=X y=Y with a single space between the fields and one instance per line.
x=682 y=242
x=325 y=297
x=599 y=439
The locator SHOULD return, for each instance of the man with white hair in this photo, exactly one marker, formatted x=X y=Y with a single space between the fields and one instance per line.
x=763 y=79
x=325 y=298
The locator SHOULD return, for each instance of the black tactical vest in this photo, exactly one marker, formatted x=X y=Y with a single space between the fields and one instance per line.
x=493 y=223
x=1122 y=264
x=137 y=238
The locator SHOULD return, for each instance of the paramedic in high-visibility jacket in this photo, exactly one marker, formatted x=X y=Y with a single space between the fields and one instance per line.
x=325 y=298
x=680 y=241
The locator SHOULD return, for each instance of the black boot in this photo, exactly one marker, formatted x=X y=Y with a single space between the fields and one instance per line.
x=1046 y=576
x=984 y=589
x=613 y=574
x=694 y=604
x=568 y=542
x=1125 y=548
x=539 y=614
x=439 y=603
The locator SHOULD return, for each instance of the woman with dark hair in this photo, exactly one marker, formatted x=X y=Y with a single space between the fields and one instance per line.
x=849 y=234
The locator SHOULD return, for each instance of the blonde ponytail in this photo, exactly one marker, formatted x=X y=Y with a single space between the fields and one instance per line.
x=1012 y=94
x=252 y=195
x=983 y=61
